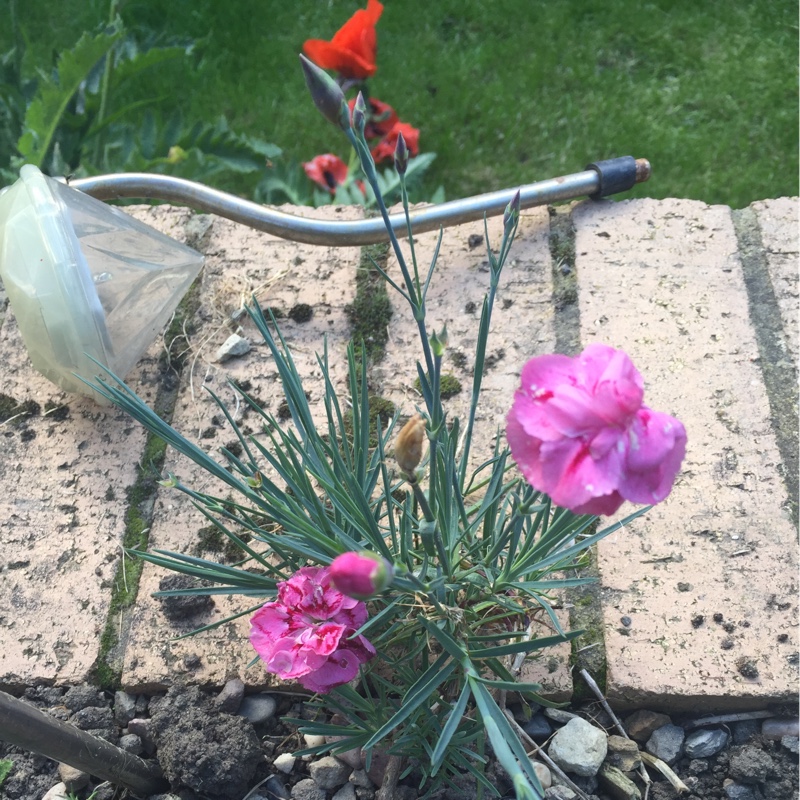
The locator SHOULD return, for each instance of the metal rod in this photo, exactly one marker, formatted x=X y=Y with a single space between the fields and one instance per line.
x=590 y=182
x=25 y=726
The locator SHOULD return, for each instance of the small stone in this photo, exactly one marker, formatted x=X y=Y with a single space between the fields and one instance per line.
x=232 y=347
x=666 y=743
x=329 y=773
x=93 y=718
x=358 y=777
x=736 y=791
x=124 y=708
x=791 y=743
x=623 y=754
x=559 y=793
x=230 y=697
x=543 y=774
x=74 y=779
x=313 y=740
x=538 y=728
x=641 y=724
x=365 y=793
x=285 y=763
x=559 y=715
x=579 y=747
x=706 y=743
x=257 y=708
x=274 y=789
x=586 y=783
x=347 y=792
x=697 y=766
x=78 y=697
x=619 y=786
x=57 y=792
x=307 y=790
x=141 y=727
x=131 y=743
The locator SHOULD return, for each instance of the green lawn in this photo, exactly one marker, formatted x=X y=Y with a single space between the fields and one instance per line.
x=506 y=92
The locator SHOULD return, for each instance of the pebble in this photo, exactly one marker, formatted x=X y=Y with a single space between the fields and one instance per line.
x=642 y=724
x=74 y=779
x=141 y=727
x=359 y=777
x=230 y=697
x=543 y=774
x=623 y=754
x=329 y=773
x=579 y=747
x=124 y=708
x=313 y=740
x=347 y=792
x=131 y=743
x=307 y=790
x=232 y=347
x=705 y=743
x=559 y=715
x=57 y=792
x=285 y=763
x=275 y=789
x=666 y=743
x=538 y=728
x=617 y=785
x=559 y=793
x=78 y=697
x=736 y=791
x=750 y=765
x=257 y=708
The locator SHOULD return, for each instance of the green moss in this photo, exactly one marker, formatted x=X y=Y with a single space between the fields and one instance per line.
x=302 y=312
x=449 y=386
x=11 y=408
x=370 y=311
x=180 y=327
x=378 y=407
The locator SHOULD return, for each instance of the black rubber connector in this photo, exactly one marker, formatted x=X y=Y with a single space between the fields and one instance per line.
x=616 y=175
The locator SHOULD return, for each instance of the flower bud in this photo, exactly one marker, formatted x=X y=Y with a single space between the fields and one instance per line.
x=438 y=342
x=409 y=444
x=511 y=214
x=361 y=575
x=326 y=94
x=401 y=155
x=360 y=114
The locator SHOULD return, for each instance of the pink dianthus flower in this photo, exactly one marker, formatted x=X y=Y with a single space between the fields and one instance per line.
x=304 y=634
x=579 y=432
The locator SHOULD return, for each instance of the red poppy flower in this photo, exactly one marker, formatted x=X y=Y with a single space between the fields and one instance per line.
x=354 y=46
x=385 y=148
x=327 y=170
x=381 y=118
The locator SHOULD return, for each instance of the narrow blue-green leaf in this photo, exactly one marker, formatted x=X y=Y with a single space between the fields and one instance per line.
x=523 y=647
x=457 y=712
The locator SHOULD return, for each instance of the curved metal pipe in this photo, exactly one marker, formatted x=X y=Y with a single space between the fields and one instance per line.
x=369 y=231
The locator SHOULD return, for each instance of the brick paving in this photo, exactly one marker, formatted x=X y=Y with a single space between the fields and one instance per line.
x=663 y=279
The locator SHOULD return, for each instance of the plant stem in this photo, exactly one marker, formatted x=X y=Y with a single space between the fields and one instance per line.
x=105 y=82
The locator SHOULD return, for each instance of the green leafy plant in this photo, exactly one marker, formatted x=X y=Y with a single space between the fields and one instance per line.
x=67 y=122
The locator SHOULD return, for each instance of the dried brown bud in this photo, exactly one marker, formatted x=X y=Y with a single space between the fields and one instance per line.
x=409 y=444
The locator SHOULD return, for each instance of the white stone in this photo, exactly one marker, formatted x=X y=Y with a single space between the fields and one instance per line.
x=233 y=346
x=579 y=747
x=57 y=792
x=285 y=763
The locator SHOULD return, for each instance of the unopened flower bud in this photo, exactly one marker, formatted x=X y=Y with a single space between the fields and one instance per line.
x=511 y=214
x=438 y=342
x=326 y=94
x=409 y=444
x=401 y=155
x=360 y=114
x=361 y=575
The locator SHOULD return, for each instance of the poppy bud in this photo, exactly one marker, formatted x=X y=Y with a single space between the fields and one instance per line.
x=326 y=94
x=361 y=575
x=401 y=155
x=409 y=444
x=360 y=114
